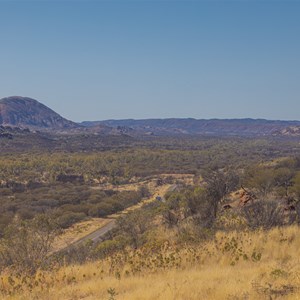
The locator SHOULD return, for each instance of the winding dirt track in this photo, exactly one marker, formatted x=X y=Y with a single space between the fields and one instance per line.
x=97 y=235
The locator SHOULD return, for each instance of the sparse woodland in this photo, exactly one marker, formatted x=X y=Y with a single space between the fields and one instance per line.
x=232 y=233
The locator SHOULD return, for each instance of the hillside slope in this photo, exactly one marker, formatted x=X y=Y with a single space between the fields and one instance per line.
x=251 y=265
x=29 y=113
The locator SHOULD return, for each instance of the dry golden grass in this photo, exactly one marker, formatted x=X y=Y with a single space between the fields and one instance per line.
x=247 y=265
x=132 y=186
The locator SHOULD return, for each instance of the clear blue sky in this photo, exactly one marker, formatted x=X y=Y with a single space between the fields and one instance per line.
x=93 y=60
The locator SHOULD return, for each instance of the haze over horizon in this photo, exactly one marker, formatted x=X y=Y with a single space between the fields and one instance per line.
x=133 y=59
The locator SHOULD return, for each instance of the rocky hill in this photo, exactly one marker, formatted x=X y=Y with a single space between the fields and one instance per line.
x=291 y=131
x=25 y=112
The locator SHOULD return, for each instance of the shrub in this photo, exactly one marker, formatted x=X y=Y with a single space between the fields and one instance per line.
x=26 y=245
x=264 y=214
x=69 y=219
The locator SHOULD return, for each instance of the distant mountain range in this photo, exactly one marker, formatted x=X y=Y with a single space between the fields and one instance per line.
x=23 y=112
x=212 y=127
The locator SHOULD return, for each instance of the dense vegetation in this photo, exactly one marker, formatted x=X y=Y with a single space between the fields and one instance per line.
x=32 y=183
x=67 y=203
x=218 y=203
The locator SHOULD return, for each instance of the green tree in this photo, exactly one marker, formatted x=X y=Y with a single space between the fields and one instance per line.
x=283 y=178
x=262 y=179
x=134 y=225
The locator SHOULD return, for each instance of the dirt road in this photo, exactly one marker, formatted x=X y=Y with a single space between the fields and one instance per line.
x=98 y=234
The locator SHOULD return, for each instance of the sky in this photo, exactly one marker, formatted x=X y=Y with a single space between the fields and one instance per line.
x=96 y=60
